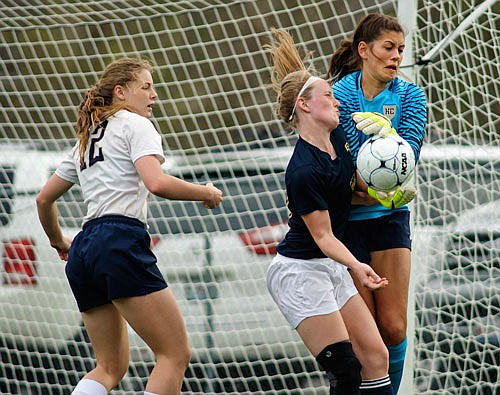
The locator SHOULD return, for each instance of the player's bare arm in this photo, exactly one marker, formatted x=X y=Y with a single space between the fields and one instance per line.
x=47 y=212
x=170 y=187
x=318 y=223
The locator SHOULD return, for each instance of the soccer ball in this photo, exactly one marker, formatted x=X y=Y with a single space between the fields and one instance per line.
x=384 y=163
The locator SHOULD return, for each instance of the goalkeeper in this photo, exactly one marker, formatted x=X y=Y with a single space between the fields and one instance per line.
x=374 y=100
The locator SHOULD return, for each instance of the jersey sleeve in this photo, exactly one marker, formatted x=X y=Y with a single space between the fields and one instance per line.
x=304 y=191
x=67 y=168
x=143 y=139
x=413 y=118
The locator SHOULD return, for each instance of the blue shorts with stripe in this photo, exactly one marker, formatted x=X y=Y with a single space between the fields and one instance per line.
x=378 y=234
x=111 y=258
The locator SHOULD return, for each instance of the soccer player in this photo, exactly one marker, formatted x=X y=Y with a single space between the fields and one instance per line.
x=308 y=278
x=110 y=266
x=373 y=98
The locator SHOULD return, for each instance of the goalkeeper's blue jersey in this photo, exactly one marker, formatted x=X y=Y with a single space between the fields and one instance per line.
x=401 y=101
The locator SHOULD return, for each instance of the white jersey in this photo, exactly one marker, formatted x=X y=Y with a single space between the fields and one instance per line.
x=108 y=178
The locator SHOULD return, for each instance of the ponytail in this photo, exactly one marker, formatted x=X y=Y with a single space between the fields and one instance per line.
x=345 y=60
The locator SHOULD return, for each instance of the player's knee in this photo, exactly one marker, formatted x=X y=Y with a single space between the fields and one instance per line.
x=340 y=360
x=375 y=360
x=177 y=358
x=112 y=370
x=393 y=332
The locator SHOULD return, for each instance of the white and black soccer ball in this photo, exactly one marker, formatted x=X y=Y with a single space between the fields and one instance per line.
x=384 y=163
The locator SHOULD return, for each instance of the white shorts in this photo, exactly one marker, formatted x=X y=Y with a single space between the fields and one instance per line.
x=305 y=288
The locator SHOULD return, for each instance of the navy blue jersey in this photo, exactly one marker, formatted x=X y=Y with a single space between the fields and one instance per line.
x=316 y=182
x=401 y=101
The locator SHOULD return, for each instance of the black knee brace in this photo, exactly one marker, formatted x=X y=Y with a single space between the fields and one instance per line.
x=339 y=359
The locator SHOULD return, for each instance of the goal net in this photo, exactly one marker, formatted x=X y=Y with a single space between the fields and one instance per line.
x=456 y=260
x=216 y=116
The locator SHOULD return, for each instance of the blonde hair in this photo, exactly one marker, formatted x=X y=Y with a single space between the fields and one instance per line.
x=97 y=104
x=289 y=73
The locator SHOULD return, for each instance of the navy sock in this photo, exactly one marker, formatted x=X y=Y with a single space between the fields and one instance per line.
x=396 y=363
x=380 y=386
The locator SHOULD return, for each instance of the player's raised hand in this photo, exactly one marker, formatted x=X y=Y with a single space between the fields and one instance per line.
x=373 y=123
x=215 y=196
x=368 y=278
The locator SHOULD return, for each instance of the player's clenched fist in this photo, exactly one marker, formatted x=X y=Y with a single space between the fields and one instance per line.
x=215 y=196
x=373 y=123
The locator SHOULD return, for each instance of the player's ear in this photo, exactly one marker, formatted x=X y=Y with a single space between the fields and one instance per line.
x=302 y=104
x=363 y=50
x=119 y=93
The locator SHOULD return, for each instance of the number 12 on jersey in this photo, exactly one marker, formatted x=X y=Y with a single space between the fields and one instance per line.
x=95 y=137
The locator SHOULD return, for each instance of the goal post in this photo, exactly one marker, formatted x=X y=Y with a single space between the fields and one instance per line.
x=216 y=115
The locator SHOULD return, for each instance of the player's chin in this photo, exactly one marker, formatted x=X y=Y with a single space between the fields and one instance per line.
x=335 y=121
x=391 y=73
x=148 y=112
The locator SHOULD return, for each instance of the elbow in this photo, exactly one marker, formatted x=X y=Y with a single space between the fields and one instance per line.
x=323 y=243
x=155 y=187
x=41 y=201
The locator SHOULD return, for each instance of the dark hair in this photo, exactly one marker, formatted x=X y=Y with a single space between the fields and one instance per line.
x=346 y=59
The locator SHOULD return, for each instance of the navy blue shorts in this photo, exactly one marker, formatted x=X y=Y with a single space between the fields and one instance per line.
x=111 y=258
x=378 y=234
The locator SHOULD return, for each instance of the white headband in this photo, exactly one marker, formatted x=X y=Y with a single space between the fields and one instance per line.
x=307 y=84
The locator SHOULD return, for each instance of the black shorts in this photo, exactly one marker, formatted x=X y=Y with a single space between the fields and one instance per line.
x=111 y=258
x=378 y=234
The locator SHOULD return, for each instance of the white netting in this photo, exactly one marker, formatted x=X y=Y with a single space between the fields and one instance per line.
x=216 y=116
x=457 y=266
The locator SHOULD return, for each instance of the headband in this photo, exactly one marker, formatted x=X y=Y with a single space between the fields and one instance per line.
x=307 y=84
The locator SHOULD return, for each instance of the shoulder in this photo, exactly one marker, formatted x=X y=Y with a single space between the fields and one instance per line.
x=299 y=175
x=407 y=90
x=128 y=117
x=67 y=169
x=301 y=159
x=346 y=92
x=132 y=125
x=348 y=82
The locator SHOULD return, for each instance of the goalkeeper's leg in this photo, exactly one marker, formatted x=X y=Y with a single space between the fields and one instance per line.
x=385 y=242
x=396 y=363
x=392 y=306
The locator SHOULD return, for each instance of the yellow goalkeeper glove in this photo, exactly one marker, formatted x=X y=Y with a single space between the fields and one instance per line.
x=399 y=197
x=373 y=123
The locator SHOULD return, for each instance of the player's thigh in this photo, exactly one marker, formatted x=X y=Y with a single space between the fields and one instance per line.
x=391 y=302
x=107 y=331
x=319 y=331
x=365 y=293
x=365 y=337
x=157 y=320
